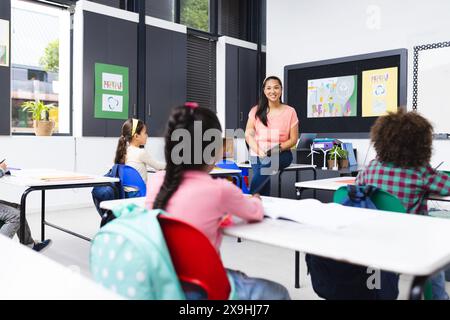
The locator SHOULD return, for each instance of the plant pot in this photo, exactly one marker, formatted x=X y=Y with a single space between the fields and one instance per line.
x=43 y=128
x=331 y=164
x=343 y=163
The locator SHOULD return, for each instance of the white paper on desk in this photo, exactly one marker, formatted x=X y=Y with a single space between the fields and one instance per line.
x=312 y=212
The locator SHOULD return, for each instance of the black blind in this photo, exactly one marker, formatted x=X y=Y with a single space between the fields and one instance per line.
x=201 y=71
x=233 y=18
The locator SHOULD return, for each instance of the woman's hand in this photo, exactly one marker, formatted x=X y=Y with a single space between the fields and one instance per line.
x=3 y=166
x=262 y=154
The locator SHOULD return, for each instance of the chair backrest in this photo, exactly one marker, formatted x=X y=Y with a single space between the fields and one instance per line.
x=131 y=178
x=195 y=259
x=228 y=164
x=382 y=200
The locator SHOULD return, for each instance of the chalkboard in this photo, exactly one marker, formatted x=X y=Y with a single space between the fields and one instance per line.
x=431 y=81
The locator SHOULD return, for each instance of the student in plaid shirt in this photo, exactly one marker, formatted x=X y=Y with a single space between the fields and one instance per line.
x=403 y=142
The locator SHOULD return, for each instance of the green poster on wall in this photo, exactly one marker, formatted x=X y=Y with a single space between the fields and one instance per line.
x=111 y=92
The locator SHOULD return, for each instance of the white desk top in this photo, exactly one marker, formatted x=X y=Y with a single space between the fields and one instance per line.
x=333 y=184
x=26 y=274
x=396 y=242
x=49 y=177
x=292 y=167
x=219 y=171
x=326 y=184
x=408 y=244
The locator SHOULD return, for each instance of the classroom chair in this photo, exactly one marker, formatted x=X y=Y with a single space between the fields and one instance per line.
x=132 y=182
x=386 y=202
x=228 y=164
x=195 y=259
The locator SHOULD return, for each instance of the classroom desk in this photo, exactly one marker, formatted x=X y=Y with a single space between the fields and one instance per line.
x=335 y=183
x=222 y=173
x=29 y=275
x=387 y=240
x=32 y=180
x=382 y=240
x=331 y=184
x=293 y=167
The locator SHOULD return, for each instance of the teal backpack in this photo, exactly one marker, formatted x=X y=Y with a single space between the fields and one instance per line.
x=129 y=256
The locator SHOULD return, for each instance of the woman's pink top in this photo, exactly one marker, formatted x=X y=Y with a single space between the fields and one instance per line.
x=277 y=130
x=203 y=202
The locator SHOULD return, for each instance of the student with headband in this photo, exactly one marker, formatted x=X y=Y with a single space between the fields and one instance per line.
x=134 y=135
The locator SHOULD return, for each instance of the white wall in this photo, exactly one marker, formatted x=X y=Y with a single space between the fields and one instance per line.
x=302 y=31
x=85 y=155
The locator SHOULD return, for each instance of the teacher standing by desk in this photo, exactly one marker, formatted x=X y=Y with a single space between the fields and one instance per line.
x=271 y=132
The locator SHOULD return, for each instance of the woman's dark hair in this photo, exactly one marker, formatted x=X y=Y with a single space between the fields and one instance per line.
x=403 y=138
x=184 y=117
x=263 y=104
x=126 y=137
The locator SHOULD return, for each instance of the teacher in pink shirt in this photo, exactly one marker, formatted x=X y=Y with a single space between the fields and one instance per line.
x=271 y=132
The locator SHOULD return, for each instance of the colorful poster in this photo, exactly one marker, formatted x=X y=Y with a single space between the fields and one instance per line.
x=332 y=97
x=379 y=91
x=111 y=92
x=4 y=43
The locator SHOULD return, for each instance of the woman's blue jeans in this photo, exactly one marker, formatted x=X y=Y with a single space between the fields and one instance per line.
x=264 y=168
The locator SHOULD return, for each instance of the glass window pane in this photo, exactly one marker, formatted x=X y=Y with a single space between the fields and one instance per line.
x=40 y=63
x=195 y=14
x=160 y=9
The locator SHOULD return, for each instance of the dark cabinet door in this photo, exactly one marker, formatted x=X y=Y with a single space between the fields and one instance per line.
x=166 y=76
x=247 y=84
x=232 y=87
x=112 y=41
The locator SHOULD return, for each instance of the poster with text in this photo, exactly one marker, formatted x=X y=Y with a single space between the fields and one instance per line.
x=379 y=91
x=111 y=92
x=332 y=97
x=4 y=43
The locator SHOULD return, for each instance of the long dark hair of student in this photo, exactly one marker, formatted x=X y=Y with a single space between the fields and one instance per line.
x=183 y=117
x=125 y=138
x=263 y=105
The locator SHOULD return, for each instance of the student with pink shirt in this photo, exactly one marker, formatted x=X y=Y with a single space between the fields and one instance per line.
x=271 y=125
x=187 y=191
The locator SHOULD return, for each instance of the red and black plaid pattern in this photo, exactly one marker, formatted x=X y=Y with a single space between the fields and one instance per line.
x=410 y=185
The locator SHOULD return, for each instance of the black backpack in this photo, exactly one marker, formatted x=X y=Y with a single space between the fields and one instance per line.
x=105 y=193
x=335 y=280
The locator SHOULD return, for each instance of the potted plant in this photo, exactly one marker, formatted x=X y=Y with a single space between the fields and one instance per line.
x=40 y=115
x=337 y=157
x=343 y=161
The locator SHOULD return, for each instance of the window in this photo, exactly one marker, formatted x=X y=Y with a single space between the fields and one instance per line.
x=160 y=9
x=40 y=63
x=195 y=14
x=233 y=18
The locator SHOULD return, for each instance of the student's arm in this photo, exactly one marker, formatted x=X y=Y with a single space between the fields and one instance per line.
x=236 y=203
x=437 y=182
x=2 y=169
x=250 y=135
x=149 y=161
x=360 y=178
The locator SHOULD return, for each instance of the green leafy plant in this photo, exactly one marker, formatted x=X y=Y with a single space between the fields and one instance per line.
x=195 y=14
x=337 y=151
x=39 y=111
x=50 y=60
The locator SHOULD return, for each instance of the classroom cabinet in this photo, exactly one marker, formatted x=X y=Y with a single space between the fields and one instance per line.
x=112 y=41
x=241 y=85
x=165 y=76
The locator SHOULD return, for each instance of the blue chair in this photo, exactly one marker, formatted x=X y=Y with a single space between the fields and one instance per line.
x=132 y=182
x=228 y=164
